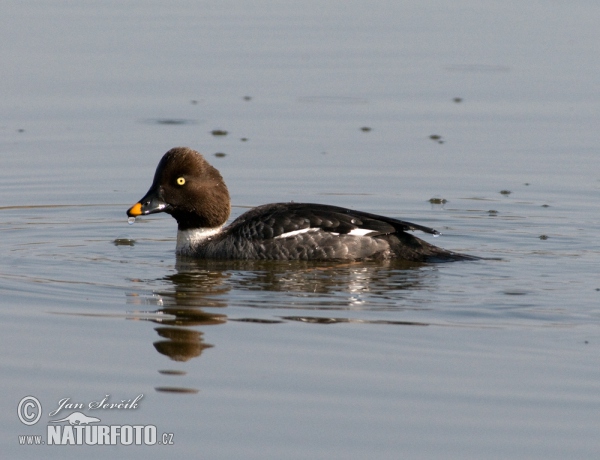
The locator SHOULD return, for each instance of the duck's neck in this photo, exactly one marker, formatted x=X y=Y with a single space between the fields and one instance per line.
x=188 y=240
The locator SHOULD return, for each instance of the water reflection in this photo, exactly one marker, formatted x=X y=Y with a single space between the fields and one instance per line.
x=184 y=295
x=322 y=320
x=180 y=344
x=339 y=286
x=307 y=287
x=197 y=285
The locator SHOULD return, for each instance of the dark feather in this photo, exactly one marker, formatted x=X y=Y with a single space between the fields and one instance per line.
x=272 y=220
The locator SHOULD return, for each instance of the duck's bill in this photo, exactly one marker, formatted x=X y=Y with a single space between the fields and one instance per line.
x=150 y=204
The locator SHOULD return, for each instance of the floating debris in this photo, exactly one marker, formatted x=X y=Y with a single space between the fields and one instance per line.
x=171 y=372
x=438 y=200
x=437 y=138
x=172 y=121
x=247 y=98
x=365 y=129
x=219 y=132
x=493 y=212
x=169 y=121
x=244 y=139
x=505 y=192
x=458 y=100
x=124 y=242
x=220 y=154
x=176 y=390
x=543 y=237
x=515 y=292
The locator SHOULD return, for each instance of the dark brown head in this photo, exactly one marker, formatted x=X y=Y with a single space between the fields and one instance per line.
x=189 y=189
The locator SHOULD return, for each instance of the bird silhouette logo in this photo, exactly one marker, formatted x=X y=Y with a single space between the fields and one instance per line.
x=77 y=418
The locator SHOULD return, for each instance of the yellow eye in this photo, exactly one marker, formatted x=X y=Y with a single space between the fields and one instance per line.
x=180 y=180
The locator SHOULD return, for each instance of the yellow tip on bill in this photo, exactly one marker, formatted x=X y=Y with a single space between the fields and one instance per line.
x=135 y=210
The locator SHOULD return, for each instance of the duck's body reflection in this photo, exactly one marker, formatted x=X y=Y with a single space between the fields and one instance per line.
x=198 y=291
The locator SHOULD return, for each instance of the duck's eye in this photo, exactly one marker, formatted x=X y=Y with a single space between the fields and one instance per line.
x=180 y=180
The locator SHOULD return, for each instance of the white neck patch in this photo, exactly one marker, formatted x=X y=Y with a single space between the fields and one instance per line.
x=188 y=240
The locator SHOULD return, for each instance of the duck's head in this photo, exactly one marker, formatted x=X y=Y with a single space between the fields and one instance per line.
x=189 y=189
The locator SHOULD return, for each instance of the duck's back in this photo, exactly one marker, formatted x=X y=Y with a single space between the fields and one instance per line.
x=308 y=231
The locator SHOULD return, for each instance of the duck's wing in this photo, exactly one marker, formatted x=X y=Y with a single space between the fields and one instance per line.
x=280 y=220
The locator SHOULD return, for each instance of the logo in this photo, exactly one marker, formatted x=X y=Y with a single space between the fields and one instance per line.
x=30 y=410
x=78 y=428
x=77 y=418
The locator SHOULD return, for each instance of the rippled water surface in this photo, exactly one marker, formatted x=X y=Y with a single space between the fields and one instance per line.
x=479 y=120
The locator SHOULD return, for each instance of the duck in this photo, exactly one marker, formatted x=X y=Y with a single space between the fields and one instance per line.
x=194 y=193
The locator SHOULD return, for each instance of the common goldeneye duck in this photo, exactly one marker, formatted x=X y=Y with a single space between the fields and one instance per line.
x=194 y=193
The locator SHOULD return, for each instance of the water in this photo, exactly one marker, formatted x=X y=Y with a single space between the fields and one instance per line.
x=477 y=120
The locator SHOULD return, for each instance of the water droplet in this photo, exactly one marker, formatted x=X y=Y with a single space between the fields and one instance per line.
x=131 y=220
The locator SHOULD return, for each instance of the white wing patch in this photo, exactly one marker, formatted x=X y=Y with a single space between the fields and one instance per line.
x=295 y=232
x=360 y=232
x=353 y=232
